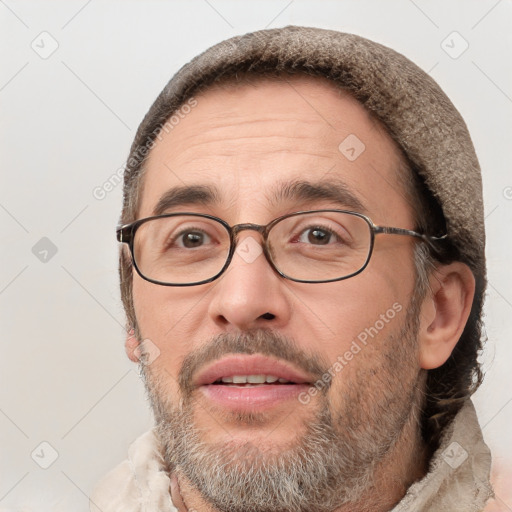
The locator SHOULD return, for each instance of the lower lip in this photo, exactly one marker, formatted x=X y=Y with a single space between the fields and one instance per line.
x=250 y=398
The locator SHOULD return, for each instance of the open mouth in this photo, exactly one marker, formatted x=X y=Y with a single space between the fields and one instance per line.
x=251 y=380
x=241 y=382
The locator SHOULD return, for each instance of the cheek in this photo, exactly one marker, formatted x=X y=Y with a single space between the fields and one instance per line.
x=361 y=369
x=170 y=318
x=356 y=320
x=347 y=308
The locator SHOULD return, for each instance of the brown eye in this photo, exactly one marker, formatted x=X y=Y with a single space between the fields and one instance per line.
x=316 y=236
x=192 y=239
x=319 y=236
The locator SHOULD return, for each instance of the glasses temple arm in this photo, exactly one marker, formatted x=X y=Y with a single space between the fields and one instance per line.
x=408 y=232
x=124 y=234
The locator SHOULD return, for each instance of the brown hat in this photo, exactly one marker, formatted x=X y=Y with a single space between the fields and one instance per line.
x=410 y=104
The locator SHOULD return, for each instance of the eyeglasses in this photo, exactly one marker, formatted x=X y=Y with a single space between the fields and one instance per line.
x=321 y=246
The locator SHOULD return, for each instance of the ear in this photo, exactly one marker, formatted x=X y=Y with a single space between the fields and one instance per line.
x=131 y=346
x=444 y=313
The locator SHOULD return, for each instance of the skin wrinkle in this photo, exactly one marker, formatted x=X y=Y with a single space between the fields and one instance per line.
x=280 y=126
x=269 y=149
x=354 y=462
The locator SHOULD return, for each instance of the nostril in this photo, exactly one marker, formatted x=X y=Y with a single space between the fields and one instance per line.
x=268 y=316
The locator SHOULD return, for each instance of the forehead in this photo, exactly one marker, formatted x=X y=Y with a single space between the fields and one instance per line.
x=248 y=142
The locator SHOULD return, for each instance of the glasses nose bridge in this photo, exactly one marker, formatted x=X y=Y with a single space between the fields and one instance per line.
x=262 y=230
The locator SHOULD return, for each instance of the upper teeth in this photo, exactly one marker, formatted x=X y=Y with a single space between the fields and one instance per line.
x=253 y=379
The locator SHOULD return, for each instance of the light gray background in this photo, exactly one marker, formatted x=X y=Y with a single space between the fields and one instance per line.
x=66 y=125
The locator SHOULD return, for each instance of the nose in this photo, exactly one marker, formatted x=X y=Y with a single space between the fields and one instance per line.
x=250 y=294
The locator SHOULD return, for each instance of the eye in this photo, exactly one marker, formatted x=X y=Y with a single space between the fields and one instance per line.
x=317 y=236
x=192 y=238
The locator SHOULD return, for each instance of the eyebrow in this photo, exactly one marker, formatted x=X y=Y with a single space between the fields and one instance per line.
x=187 y=195
x=304 y=191
x=335 y=191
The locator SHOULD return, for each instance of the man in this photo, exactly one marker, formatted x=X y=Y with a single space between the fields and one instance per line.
x=303 y=270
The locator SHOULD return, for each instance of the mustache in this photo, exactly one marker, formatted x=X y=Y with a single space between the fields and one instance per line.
x=257 y=341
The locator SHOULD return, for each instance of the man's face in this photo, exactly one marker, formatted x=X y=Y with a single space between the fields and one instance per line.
x=251 y=146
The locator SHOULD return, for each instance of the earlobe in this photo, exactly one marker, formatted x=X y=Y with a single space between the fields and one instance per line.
x=444 y=313
x=131 y=346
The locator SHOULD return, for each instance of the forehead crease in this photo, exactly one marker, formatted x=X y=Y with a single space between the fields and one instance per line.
x=278 y=133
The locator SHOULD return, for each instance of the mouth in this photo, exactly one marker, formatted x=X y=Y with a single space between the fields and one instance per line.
x=251 y=382
x=244 y=381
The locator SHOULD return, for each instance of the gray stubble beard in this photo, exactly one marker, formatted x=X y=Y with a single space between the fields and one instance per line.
x=331 y=465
